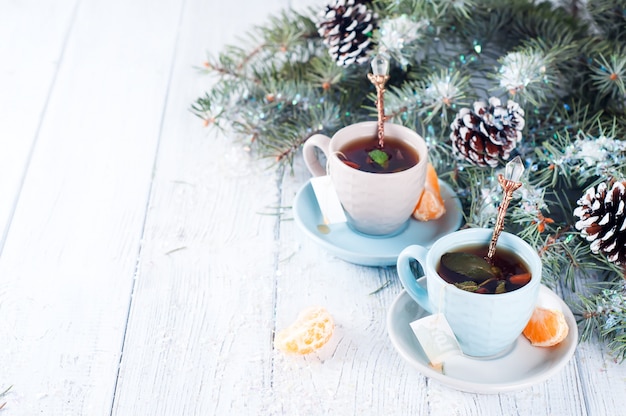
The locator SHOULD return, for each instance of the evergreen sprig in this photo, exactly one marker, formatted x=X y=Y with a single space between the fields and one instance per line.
x=2 y=394
x=564 y=63
x=604 y=314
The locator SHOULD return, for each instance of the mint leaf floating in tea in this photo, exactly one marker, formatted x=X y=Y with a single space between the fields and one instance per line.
x=379 y=157
x=469 y=286
x=468 y=269
x=468 y=266
x=509 y=182
x=379 y=77
x=366 y=155
x=501 y=288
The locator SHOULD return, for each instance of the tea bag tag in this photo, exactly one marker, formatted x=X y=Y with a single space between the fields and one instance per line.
x=436 y=338
x=327 y=199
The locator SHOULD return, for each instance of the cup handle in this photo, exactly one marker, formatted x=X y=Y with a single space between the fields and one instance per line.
x=409 y=281
x=311 y=160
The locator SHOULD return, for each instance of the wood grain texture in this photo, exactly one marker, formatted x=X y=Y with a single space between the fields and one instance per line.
x=69 y=260
x=32 y=42
x=199 y=332
x=148 y=261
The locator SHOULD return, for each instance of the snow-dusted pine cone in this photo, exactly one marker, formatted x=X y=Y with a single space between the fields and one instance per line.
x=488 y=134
x=346 y=27
x=602 y=215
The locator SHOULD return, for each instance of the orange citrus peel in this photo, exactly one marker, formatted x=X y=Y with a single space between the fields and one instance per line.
x=546 y=327
x=310 y=332
x=430 y=205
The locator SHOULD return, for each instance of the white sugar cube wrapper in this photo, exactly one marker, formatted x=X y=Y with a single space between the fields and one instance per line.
x=436 y=338
x=327 y=199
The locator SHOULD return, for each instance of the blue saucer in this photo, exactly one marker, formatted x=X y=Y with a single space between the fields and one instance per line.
x=523 y=366
x=358 y=248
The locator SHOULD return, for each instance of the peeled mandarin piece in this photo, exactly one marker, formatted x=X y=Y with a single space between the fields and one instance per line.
x=520 y=279
x=310 y=332
x=430 y=205
x=546 y=328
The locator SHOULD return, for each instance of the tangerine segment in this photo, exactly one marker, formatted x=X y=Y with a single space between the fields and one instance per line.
x=430 y=205
x=546 y=328
x=311 y=331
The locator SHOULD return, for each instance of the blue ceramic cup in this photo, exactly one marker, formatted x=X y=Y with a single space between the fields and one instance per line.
x=484 y=324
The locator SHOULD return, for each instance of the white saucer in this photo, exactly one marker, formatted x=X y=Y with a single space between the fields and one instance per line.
x=358 y=248
x=522 y=367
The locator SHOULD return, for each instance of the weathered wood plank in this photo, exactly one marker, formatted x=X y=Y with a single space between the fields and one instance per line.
x=32 y=41
x=68 y=264
x=199 y=334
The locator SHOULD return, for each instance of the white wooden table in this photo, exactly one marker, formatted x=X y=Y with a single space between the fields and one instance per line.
x=138 y=275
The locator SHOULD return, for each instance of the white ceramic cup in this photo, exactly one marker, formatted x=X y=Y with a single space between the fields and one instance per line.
x=375 y=203
x=484 y=324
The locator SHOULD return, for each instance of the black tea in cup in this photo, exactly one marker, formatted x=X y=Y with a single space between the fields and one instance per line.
x=468 y=269
x=366 y=155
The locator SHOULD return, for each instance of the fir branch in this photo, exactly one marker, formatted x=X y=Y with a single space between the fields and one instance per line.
x=609 y=18
x=479 y=202
x=432 y=100
x=606 y=310
x=565 y=257
x=583 y=161
x=402 y=38
x=324 y=73
x=434 y=9
x=556 y=123
x=565 y=65
x=609 y=76
x=554 y=25
x=530 y=74
x=2 y=394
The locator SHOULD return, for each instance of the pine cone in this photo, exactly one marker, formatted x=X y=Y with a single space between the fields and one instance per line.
x=603 y=220
x=489 y=133
x=346 y=27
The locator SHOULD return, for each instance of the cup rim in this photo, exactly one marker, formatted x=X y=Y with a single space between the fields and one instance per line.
x=432 y=260
x=419 y=145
